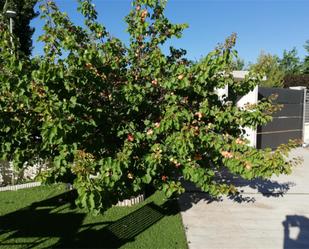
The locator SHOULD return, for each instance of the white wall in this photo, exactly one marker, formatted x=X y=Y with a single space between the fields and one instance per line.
x=222 y=92
x=250 y=98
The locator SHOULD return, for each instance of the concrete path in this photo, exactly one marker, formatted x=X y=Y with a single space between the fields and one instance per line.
x=256 y=220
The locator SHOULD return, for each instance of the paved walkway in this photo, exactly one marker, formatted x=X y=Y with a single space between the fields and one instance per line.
x=256 y=220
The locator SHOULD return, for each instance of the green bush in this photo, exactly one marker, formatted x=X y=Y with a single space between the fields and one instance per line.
x=113 y=118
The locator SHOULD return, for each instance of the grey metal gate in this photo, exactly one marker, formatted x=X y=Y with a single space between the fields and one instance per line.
x=307 y=107
x=287 y=123
x=306 y=117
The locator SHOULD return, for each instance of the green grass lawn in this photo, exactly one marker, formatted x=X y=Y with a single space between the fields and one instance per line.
x=44 y=217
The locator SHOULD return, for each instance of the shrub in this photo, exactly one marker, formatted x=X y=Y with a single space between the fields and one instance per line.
x=296 y=80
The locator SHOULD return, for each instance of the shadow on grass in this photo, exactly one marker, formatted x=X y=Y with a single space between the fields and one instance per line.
x=42 y=221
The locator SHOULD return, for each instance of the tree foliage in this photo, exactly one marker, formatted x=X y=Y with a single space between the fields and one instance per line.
x=113 y=118
x=306 y=60
x=25 y=13
x=268 y=65
x=290 y=62
x=238 y=64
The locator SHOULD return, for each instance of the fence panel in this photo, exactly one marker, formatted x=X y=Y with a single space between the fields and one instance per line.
x=287 y=123
x=306 y=114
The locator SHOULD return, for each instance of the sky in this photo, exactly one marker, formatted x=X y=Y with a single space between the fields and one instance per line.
x=261 y=25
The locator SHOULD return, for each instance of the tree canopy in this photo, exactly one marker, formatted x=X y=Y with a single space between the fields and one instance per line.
x=25 y=13
x=290 y=63
x=238 y=64
x=306 y=60
x=268 y=65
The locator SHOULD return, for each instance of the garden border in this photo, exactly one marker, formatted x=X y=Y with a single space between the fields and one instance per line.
x=20 y=186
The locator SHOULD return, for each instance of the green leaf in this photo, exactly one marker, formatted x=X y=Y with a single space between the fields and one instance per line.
x=147 y=178
x=52 y=134
x=73 y=100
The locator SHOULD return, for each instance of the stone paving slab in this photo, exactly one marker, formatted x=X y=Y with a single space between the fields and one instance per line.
x=258 y=221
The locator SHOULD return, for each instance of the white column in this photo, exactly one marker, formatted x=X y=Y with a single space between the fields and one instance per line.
x=250 y=98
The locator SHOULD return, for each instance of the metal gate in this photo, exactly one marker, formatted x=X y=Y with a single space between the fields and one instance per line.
x=306 y=117
x=287 y=123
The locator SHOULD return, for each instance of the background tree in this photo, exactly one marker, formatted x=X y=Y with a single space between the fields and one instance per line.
x=25 y=13
x=268 y=65
x=238 y=64
x=306 y=60
x=290 y=62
